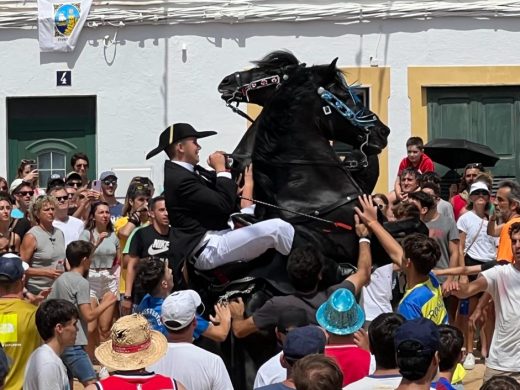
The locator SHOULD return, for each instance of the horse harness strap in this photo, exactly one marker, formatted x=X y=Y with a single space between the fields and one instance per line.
x=340 y=225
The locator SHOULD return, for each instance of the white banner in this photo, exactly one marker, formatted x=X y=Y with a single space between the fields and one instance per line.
x=60 y=23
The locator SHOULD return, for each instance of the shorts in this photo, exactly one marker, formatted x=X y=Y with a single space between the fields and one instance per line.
x=491 y=372
x=78 y=364
x=103 y=281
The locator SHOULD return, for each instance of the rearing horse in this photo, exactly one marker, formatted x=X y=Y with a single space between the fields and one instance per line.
x=259 y=85
x=295 y=167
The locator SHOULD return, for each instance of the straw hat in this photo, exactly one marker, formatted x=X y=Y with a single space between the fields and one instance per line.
x=133 y=345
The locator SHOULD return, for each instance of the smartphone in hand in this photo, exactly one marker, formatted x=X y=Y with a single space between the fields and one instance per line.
x=96 y=185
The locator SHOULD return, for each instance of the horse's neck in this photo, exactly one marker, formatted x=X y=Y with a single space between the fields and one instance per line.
x=246 y=145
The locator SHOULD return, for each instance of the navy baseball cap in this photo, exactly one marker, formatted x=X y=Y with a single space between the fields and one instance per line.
x=12 y=267
x=304 y=341
x=421 y=330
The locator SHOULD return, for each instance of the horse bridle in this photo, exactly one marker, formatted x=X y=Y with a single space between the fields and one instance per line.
x=246 y=88
x=358 y=118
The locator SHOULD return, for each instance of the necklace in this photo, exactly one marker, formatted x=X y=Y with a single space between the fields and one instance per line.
x=52 y=239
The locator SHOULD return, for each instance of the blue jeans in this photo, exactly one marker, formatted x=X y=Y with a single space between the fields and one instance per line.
x=78 y=364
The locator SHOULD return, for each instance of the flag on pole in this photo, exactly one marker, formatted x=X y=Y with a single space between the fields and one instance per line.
x=60 y=23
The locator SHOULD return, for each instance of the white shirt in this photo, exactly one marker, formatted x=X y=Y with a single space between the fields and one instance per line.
x=270 y=372
x=504 y=287
x=45 y=370
x=485 y=246
x=377 y=295
x=194 y=367
x=190 y=168
x=71 y=229
x=379 y=382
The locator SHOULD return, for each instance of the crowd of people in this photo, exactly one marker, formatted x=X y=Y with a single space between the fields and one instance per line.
x=99 y=291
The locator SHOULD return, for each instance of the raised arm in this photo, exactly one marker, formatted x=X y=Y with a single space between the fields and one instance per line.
x=492 y=228
x=368 y=215
x=364 y=265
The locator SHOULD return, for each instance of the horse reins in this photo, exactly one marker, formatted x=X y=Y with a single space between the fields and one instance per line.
x=340 y=225
x=355 y=118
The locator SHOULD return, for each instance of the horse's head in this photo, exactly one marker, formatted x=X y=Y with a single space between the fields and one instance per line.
x=343 y=114
x=257 y=85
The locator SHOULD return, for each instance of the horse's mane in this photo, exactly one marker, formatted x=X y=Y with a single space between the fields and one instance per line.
x=277 y=59
x=304 y=80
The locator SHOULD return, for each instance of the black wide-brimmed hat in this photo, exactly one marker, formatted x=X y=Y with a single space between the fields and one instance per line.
x=175 y=133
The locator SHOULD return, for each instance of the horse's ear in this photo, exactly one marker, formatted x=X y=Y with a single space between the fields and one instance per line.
x=332 y=66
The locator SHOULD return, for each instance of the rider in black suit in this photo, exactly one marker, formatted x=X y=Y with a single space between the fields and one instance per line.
x=199 y=204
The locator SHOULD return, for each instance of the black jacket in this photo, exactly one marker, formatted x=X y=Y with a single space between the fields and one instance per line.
x=196 y=203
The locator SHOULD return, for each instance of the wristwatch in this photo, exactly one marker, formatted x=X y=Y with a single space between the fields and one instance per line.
x=127 y=297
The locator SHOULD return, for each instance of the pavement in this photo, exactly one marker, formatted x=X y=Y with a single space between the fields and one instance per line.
x=473 y=379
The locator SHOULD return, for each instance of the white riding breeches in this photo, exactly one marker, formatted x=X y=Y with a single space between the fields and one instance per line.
x=246 y=243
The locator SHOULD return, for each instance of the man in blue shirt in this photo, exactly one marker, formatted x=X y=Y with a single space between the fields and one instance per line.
x=423 y=296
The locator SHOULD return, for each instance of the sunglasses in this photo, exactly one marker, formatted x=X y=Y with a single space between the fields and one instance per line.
x=81 y=196
x=74 y=183
x=25 y=193
x=110 y=182
x=81 y=165
x=3 y=189
x=380 y=206
x=62 y=198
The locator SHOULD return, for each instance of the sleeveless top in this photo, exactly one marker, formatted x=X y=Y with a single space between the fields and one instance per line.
x=134 y=382
x=50 y=247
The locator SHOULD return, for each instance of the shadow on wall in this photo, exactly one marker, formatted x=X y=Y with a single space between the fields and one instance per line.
x=217 y=33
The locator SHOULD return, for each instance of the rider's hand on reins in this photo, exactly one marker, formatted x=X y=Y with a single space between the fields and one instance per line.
x=217 y=161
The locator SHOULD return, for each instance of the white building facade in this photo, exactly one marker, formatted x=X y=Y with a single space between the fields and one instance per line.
x=147 y=73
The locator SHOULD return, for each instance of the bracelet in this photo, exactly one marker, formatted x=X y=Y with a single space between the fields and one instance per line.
x=364 y=239
x=127 y=297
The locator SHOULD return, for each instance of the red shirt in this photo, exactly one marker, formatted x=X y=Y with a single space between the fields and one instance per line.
x=131 y=382
x=425 y=164
x=458 y=204
x=353 y=361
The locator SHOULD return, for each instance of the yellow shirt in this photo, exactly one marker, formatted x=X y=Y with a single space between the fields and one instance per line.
x=19 y=336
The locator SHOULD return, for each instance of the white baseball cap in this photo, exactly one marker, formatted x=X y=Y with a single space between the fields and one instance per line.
x=181 y=307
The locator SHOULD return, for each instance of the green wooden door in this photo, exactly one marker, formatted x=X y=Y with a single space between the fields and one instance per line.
x=50 y=130
x=487 y=115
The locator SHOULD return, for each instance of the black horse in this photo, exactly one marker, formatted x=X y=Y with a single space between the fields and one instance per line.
x=258 y=86
x=295 y=166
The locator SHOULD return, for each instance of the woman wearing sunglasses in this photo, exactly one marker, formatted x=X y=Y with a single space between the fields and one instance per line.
x=477 y=248
x=43 y=247
x=104 y=270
